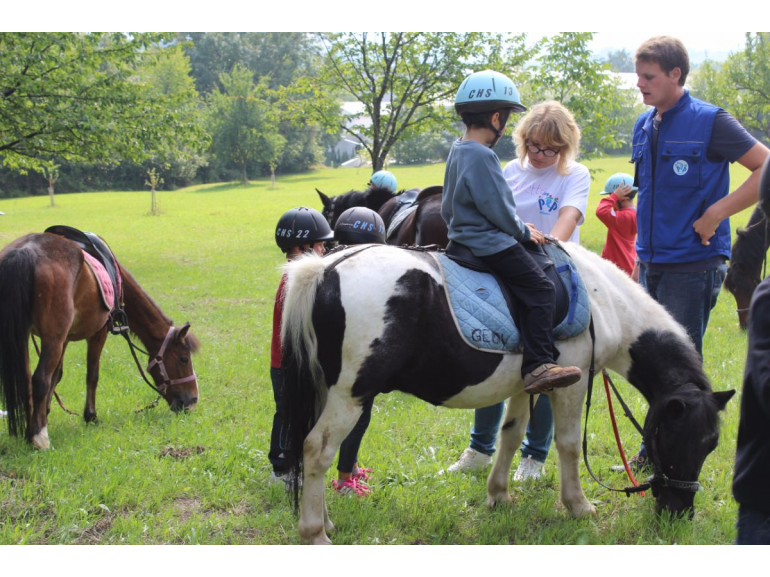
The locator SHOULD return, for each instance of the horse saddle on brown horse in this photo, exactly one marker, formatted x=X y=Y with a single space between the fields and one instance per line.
x=93 y=245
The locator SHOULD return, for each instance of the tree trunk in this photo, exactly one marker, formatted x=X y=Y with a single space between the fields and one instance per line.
x=154 y=203
x=272 y=177
x=50 y=194
x=244 y=177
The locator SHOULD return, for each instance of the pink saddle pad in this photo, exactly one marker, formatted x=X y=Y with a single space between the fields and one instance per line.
x=103 y=280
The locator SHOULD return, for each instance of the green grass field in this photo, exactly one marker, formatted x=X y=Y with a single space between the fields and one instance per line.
x=210 y=259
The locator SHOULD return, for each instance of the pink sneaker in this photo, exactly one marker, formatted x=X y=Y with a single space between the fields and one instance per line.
x=361 y=474
x=351 y=486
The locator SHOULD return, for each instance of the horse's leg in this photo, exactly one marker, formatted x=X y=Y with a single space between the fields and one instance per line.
x=511 y=435
x=338 y=418
x=42 y=389
x=567 y=405
x=95 y=346
x=57 y=377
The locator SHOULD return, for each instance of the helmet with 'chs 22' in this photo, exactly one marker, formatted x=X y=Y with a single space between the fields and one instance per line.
x=487 y=91
x=384 y=179
x=300 y=226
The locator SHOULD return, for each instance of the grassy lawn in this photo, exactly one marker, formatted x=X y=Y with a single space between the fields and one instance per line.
x=210 y=259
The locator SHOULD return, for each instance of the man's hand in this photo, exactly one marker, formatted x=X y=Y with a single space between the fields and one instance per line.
x=706 y=226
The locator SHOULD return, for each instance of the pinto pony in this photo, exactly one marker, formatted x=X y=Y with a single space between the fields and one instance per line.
x=47 y=289
x=362 y=322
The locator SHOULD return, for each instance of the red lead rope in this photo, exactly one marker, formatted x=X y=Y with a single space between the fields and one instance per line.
x=615 y=429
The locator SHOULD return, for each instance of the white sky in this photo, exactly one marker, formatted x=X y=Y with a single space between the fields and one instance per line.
x=695 y=41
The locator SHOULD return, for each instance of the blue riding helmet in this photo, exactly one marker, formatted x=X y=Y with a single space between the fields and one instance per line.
x=764 y=188
x=619 y=179
x=300 y=226
x=384 y=179
x=487 y=91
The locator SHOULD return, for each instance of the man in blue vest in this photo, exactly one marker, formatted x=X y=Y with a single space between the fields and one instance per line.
x=682 y=149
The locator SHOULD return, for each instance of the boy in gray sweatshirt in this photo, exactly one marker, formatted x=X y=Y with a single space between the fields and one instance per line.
x=480 y=212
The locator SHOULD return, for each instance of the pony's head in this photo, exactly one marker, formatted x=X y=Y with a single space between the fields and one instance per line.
x=373 y=197
x=172 y=369
x=682 y=425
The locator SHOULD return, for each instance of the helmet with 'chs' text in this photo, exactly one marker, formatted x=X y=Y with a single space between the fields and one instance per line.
x=487 y=91
x=300 y=226
x=359 y=225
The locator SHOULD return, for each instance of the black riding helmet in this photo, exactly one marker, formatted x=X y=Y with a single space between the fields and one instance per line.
x=359 y=225
x=764 y=188
x=300 y=226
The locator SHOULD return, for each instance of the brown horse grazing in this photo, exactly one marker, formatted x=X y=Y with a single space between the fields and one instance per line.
x=424 y=226
x=745 y=272
x=46 y=289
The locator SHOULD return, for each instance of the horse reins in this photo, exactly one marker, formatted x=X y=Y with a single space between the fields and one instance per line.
x=657 y=477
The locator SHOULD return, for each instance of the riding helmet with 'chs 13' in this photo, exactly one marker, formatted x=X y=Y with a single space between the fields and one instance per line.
x=359 y=225
x=487 y=91
x=764 y=188
x=300 y=226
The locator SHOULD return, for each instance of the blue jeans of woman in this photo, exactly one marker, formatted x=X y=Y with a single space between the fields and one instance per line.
x=539 y=437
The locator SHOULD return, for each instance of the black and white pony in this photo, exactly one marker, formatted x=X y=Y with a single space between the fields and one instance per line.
x=378 y=321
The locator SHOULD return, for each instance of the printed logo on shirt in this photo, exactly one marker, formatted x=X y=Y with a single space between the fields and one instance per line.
x=547 y=203
x=681 y=167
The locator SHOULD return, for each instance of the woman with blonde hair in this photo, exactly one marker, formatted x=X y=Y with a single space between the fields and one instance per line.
x=550 y=190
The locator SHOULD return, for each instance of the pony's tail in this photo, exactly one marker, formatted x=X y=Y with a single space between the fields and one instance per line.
x=304 y=387
x=17 y=283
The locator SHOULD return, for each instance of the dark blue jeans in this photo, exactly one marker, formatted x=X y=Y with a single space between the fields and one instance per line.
x=536 y=444
x=753 y=527
x=688 y=296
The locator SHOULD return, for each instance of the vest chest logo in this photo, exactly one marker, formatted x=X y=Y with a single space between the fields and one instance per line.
x=681 y=167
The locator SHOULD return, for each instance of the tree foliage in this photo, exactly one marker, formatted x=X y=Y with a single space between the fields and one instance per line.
x=75 y=97
x=565 y=71
x=620 y=61
x=243 y=121
x=741 y=85
x=405 y=81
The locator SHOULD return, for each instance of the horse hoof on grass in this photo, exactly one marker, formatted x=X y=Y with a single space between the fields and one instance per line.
x=582 y=510
x=40 y=441
x=502 y=499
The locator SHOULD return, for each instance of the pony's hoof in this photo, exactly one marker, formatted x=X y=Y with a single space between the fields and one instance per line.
x=503 y=498
x=581 y=510
x=40 y=441
x=329 y=526
x=319 y=539
x=90 y=417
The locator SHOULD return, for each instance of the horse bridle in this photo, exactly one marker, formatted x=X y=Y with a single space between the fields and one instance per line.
x=658 y=477
x=118 y=327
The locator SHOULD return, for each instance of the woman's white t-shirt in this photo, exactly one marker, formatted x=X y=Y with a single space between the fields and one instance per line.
x=540 y=193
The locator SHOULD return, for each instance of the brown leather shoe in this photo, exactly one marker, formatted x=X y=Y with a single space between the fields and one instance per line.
x=550 y=376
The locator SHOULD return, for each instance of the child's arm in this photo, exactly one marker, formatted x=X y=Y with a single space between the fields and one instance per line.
x=623 y=221
x=495 y=201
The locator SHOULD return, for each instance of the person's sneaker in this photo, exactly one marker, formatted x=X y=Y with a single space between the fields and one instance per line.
x=550 y=376
x=351 y=487
x=638 y=463
x=361 y=474
x=470 y=460
x=529 y=468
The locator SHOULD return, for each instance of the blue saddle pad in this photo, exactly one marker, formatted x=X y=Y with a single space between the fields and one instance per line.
x=482 y=315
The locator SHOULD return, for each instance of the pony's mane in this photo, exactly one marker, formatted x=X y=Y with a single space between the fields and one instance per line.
x=132 y=281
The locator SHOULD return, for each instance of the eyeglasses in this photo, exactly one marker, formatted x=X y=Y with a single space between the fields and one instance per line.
x=547 y=152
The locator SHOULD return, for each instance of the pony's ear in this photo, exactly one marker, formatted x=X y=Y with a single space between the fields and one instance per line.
x=675 y=408
x=325 y=199
x=180 y=334
x=721 y=397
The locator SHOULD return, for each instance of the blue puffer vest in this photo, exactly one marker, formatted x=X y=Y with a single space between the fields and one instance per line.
x=686 y=183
